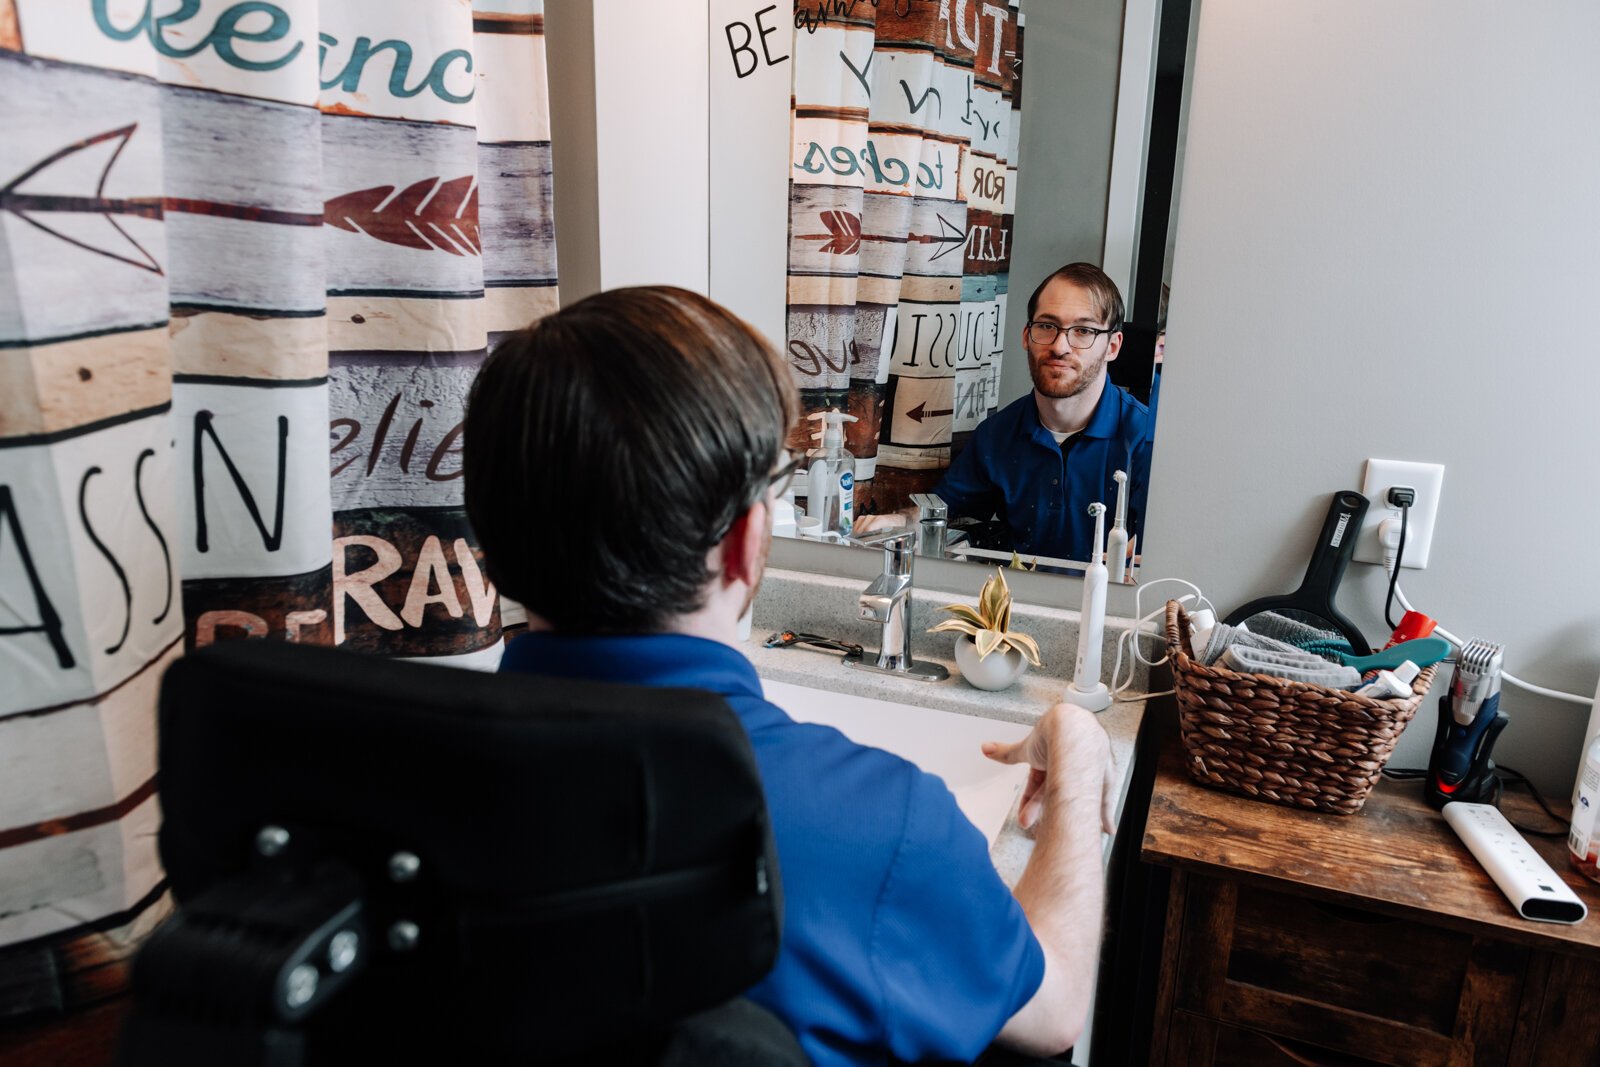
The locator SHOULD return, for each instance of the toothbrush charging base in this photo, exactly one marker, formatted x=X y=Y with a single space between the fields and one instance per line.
x=1097 y=698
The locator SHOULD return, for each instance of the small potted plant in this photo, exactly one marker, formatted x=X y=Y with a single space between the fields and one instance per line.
x=991 y=656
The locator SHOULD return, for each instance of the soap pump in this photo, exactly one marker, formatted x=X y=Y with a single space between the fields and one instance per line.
x=1086 y=689
x=835 y=482
x=1117 y=539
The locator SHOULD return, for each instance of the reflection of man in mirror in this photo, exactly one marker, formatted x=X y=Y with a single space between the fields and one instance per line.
x=1038 y=463
x=1161 y=356
x=900 y=941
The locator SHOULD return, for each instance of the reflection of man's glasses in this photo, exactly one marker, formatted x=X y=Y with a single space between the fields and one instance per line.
x=1080 y=337
x=779 y=480
x=783 y=477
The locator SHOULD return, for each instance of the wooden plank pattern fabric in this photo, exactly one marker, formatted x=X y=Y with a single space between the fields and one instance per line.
x=234 y=237
x=902 y=192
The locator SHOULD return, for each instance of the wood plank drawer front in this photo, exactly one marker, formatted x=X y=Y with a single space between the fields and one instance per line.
x=1361 y=985
x=1567 y=1017
x=1199 y=1042
x=1373 y=965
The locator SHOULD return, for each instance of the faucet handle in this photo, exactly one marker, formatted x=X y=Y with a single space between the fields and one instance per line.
x=885 y=539
x=897 y=545
x=931 y=506
x=933 y=524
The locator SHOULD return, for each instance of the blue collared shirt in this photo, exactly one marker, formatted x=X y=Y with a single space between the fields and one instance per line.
x=899 y=937
x=1013 y=468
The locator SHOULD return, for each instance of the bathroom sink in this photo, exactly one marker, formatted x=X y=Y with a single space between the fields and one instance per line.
x=940 y=742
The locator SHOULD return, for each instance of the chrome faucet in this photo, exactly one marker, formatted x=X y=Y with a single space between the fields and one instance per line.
x=887 y=602
x=933 y=524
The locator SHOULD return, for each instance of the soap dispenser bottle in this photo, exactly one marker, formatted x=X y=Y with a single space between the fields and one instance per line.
x=785 y=516
x=839 y=470
x=818 y=481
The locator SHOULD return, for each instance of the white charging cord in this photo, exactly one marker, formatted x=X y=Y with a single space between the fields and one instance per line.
x=1389 y=539
x=1130 y=637
x=1554 y=694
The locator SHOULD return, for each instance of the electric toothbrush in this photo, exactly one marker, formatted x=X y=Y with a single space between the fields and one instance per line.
x=1117 y=539
x=1086 y=689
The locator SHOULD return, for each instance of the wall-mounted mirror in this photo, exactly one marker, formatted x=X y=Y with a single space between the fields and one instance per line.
x=925 y=198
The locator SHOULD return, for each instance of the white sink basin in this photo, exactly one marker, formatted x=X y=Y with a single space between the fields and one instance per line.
x=939 y=742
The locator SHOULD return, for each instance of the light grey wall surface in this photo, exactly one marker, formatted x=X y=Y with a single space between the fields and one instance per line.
x=629 y=140
x=651 y=65
x=569 y=48
x=1070 y=56
x=1386 y=249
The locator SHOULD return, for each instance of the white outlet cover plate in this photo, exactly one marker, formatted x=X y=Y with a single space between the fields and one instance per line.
x=1427 y=479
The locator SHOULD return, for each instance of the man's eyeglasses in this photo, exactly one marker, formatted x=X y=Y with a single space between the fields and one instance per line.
x=1079 y=337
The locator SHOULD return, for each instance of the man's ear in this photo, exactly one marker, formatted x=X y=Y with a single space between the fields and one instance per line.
x=1114 y=346
x=743 y=550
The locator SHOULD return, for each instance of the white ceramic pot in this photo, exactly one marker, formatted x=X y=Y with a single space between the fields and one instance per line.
x=998 y=670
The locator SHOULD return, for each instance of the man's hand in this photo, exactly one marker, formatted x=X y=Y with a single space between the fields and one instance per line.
x=889 y=520
x=1062 y=890
x=1069 y=742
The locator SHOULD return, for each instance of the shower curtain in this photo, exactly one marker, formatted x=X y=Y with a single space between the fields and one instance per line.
x=902 y=191
x=235 y=235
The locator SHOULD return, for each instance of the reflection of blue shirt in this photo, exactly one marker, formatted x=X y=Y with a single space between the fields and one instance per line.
x=898 y=935
x=1013 y=468
x=1155 y=400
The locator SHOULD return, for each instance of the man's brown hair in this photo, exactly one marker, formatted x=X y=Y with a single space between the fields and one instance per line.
x=1102 y=290
x=609 y=446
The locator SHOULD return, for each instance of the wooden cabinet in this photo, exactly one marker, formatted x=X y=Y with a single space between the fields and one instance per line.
x=1312 y=976
x=1298 y=938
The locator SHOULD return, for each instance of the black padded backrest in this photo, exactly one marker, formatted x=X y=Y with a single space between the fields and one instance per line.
x=595 y=858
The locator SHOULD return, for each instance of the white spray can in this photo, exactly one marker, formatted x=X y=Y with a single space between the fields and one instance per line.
x=1583 y=843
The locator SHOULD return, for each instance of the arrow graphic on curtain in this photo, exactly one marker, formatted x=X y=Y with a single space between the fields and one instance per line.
x=25 y=205
x=952 y=237
x=844 y=235
x=920 y=412
x=428 y=215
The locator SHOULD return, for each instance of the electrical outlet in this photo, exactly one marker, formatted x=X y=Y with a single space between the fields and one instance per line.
x=1426 y=479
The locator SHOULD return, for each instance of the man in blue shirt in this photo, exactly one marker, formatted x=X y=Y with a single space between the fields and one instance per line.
x=621 y=460
x=1039 y=462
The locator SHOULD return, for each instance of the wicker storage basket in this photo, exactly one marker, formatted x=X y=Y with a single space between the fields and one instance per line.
x=1288 y=742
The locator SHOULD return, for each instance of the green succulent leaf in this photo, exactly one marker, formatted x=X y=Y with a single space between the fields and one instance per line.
x=990 y=600
x=989 y=625
x=956 y=626
x=987 y=641
x=966 y=612
x=1027 y=646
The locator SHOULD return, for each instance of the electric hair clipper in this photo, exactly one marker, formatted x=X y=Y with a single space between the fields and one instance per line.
x=1470 y=720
